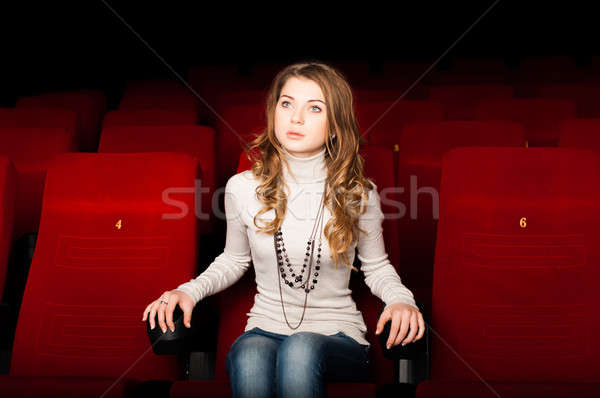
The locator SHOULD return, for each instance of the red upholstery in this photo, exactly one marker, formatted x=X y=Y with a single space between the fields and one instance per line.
x=580 y=133
x=585 y=95
x=40 y=117
x=114 y=232
x=429 y=389
x=32 y=150
x=65 y=387
x=541 y=117
x=90 y=107
x=460 y=100
x=390 y=119
x=198 y=141
x=8 y=192
x=422 y=146
x=516 y=273
x=150 y=117
x=238 y=123
x=211 y=80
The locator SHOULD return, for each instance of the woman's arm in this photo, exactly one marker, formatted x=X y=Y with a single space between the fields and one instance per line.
x=380 y=275
x=229 y=266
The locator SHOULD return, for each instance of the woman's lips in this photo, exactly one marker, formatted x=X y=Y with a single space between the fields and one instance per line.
x=294 y=136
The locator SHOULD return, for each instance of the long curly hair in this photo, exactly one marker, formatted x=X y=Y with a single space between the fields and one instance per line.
x=346 y=183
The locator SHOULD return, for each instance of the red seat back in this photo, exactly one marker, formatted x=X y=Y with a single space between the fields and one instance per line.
x=517 y=266
x=580 y=133
x=460 y=100
x=89 y=105
x=422 y=147
x=198 y=141
x=8 y=192
x=150 y=117
x=32 y=151
x=541 y=117
x=109 y=242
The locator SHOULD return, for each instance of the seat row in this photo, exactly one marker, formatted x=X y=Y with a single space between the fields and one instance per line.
x=513 y=293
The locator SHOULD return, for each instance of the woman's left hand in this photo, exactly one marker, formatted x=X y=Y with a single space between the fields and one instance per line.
x=403 y=316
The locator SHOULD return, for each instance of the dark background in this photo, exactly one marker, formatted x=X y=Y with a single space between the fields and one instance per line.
x=63 y=44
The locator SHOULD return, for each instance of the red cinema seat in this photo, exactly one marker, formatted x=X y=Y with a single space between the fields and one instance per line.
x=8 y=193
x=422 y=147
x=584 y=95
x=235 y=302
x=211 y=80
x=580 y=133
x=381 y=122
x=40 y=118
x=541 y=117
x=32 y=151
x=89 y=106
x=237 y=126
x=150 y=117
x=460 y=100
x=516 y=272
x=197 y=141
x=108 y=244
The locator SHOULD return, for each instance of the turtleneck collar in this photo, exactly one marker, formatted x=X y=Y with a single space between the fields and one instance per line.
x=305 y=170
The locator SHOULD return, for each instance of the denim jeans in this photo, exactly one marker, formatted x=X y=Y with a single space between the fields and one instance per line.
x=261 y=364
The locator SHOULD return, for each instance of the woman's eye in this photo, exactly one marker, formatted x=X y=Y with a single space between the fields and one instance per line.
x=283 y=103
x=314 y=106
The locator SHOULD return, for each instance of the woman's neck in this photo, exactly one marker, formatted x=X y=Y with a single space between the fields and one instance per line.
x=305 y=170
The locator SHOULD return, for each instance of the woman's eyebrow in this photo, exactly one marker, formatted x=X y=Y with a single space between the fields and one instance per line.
x=289 y=96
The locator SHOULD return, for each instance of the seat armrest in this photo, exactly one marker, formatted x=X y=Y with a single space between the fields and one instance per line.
x=199 y=337
x=412 y=361
x=410 y=351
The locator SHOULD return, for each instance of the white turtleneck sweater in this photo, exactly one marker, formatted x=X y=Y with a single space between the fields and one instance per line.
x=330 y=307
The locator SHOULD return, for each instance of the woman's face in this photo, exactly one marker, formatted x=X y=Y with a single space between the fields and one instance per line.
x=301 y=108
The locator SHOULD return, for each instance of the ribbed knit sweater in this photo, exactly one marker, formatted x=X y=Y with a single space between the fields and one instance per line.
x=330 y=307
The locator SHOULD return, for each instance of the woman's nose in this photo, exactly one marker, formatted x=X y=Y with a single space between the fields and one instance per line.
x=297 y=117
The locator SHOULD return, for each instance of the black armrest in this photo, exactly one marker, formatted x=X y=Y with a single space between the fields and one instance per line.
x=410 y=351
x=199 y=337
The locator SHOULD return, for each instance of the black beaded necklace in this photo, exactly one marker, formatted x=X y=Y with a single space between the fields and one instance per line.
x=281 y=254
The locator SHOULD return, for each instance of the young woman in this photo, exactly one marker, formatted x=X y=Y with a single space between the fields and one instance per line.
x=305 y=206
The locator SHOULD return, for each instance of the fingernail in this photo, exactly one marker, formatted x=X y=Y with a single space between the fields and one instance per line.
x=388 y=346
x=151 y=327
x=172 y=329
x=164 y=330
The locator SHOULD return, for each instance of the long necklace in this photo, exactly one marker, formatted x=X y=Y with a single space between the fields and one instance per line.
x=281 y=254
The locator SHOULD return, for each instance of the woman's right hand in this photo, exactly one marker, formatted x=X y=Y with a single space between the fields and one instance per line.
x=165 y=311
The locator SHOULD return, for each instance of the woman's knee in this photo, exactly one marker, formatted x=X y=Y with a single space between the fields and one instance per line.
x=252 y=354
x=301 y=348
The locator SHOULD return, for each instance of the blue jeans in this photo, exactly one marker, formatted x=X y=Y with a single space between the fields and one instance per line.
x=260 y=363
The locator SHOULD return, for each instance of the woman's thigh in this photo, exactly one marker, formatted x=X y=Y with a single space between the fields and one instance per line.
x=336 y=358
x=250 y=364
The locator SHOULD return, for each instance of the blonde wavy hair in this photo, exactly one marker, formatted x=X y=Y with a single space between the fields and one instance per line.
x=346 y=183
